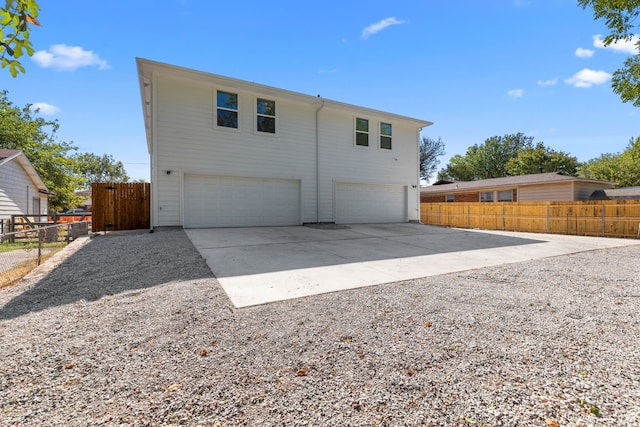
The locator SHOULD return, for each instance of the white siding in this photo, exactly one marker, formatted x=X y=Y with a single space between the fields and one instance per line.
x=17 y=191
x=342 y=161
x=189 y=142
x=546 y=193
x=186 y=141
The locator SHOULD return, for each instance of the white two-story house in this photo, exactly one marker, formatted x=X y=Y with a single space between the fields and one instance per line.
x=231 y=153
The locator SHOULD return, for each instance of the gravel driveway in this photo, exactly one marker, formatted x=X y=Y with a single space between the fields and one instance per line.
x=133 y=329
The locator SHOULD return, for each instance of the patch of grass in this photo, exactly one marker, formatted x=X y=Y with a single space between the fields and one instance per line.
x=8 y=247
x=12 y=276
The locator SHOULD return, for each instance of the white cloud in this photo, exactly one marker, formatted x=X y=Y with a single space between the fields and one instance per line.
x=44 y=108
x=545 y=83
x=68 y=58
x=515 y=93
x=379 y=26
x=584 y=53
x=588 y=78
x=623 y=46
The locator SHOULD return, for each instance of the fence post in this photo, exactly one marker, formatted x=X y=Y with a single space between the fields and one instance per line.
x=439 y=215
x=40 y=240
x=503 y=217
x=547 y=217
x=603 y=216
x=468 y=215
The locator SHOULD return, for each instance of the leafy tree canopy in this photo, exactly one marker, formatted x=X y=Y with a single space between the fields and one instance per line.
x=35 y=136
x=430 y=150
x=539 y=159
x=62 y=170
x=621 y=168
x=15 y=19
x=93 y=168
x=622 y=18
x=488 y=160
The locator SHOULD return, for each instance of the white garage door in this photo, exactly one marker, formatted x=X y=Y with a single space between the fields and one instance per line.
x=217 y=201
x=370 y=203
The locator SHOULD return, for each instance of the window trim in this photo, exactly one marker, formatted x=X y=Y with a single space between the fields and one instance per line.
x=384 y=135
x=356 y=132
x=274 y=117
x=237 y=110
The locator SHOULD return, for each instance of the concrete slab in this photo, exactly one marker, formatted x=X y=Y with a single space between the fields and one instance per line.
x=265 y=264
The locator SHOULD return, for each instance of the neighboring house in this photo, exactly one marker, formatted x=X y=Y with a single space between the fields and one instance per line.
x=22 y=191
x=628 y=193
x=542 y=187
x=227 y=153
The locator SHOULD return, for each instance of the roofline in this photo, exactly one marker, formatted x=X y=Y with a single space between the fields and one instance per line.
x=147 y=67
x=450 y=187
x=29 y=169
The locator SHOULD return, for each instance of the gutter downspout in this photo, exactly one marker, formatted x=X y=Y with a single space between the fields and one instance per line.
x=318 y=162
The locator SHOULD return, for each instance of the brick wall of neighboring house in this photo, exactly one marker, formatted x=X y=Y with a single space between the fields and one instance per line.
x=432 y=198
x=471 y=196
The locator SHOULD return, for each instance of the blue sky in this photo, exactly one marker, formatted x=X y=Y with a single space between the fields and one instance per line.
x=476 y=69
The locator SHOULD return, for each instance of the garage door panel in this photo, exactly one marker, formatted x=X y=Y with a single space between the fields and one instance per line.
x=216 y=201
x=370 y=203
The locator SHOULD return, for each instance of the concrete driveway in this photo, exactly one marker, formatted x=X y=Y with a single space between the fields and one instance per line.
x=265 y=264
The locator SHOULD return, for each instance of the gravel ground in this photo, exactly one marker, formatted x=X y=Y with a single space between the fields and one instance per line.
x=133 y=329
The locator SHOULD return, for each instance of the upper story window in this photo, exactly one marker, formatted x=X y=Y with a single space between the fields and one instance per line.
x=227 y=112
x=451 y=198
x=266 y=116
x=362 y=132
x=385 y=135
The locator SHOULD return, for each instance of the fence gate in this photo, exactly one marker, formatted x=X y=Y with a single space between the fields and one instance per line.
x=120 y=206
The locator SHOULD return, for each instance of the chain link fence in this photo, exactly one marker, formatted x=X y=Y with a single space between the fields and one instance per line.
x=26 y=247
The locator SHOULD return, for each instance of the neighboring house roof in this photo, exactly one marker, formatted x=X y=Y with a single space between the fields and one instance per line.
x=7 y=155
x=616 y=193
x=508 y=181
x=146 y=69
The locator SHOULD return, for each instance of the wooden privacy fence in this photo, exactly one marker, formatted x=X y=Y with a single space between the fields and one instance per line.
x=120 y=206
x=608 y=218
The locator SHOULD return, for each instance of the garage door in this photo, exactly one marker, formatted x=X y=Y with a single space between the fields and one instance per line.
x=216 y=201
x=370 y=203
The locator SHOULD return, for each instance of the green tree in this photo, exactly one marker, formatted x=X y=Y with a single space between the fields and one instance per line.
x=542 y=159
x=94 y=168
x=430 y=150
x=15 y=19
x=621 y=168
x=21 y=130
x=622 y=18
x=488 y=160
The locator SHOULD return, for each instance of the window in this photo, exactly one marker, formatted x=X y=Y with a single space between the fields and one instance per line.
x=486 y=196
x=227 y=109
x=362 y=132
x=505 y=196
x=451 y=198
x=266 y=116
x=385 y=136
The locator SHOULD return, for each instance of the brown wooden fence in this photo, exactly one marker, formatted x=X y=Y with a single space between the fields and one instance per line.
x=120 y=206
x=608 y=218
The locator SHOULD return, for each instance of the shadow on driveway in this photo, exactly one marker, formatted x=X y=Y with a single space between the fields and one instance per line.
x=107 y=265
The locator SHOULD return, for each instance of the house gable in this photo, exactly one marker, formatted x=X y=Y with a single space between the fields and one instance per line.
x=21 y=188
